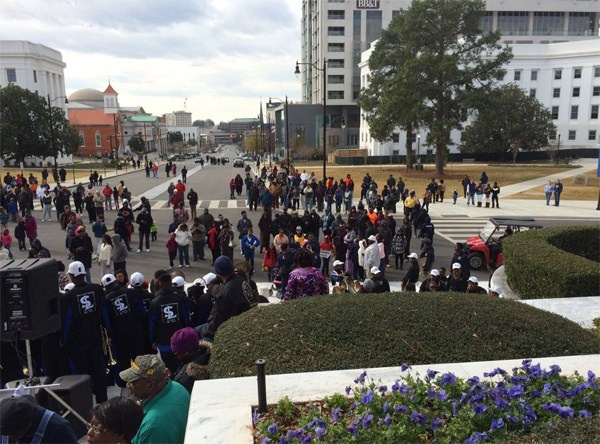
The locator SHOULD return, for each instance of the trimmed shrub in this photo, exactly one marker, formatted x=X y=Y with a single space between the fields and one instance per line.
x=554 y=262
x=368 y=331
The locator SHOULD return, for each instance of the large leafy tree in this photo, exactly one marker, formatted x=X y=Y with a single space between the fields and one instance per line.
x=507 y=120
x=429 y=60
x=29 y=127
x=137 y=144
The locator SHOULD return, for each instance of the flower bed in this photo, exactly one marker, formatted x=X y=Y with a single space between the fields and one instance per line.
x=437 y=407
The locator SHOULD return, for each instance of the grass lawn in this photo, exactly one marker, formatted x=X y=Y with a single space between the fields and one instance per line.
x=570 y=191
x=505 y=174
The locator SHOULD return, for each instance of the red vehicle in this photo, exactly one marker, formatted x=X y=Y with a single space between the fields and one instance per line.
x=488 y=243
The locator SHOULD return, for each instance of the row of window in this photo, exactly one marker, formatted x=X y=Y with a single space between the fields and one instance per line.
x=97 y=137
x=576 y=92
x=557 y=74
x=542 y=23
x=575 y=112
x=572 y=135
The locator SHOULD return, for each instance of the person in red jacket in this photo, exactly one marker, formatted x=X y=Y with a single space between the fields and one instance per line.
x=270 y=260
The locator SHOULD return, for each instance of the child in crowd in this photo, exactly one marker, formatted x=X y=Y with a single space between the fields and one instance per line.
x=7 y=241
x=154 y=232
x=172 y=249
x=20 y=235
x=454 y=196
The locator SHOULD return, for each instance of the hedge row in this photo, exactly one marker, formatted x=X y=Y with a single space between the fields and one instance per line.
x=554 y=262
x=367 y=331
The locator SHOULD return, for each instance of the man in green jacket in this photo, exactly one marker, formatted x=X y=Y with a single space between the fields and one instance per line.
x=165 y=402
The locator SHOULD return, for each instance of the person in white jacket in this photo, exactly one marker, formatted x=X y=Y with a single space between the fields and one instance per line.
x=183 y=237
x=105 y=256
x=362 y=247
x=372 y=258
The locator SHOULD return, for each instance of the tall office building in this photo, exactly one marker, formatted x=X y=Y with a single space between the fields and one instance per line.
x=339 y=31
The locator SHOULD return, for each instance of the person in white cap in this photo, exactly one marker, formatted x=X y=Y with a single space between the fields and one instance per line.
x=434 y=277
x=457 y=281
x=179 y=284
x=495 y=291
x=83 y=307
x=412 y=275
x=381 y=283
x=127 y=323
x=337 y=274
x=372 y=257
x=473 y=286
x=138 y=290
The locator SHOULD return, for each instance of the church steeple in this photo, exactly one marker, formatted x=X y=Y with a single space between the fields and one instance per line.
x=111 y=100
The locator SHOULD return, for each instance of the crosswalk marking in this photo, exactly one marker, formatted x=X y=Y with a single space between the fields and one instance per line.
x=458 y=229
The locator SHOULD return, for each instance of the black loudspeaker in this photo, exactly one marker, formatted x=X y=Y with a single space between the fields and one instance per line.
x=76 y=391
x=30 y=306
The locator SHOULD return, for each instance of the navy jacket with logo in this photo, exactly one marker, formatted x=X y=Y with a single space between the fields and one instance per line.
x=83 y=311
x=169 y=312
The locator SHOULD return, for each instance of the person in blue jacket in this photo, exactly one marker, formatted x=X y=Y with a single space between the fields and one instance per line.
x=249 y=245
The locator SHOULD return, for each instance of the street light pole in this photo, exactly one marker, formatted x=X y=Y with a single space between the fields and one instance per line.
x=324 y=71
x=558 y=148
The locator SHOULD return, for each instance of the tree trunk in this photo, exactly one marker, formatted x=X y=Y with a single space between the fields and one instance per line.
x=409 y=151
x=439 y=158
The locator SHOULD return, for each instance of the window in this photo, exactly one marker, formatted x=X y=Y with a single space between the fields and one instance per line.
x=556 y=93
x=517 y=76
x=534 y=75
x=594 y=114
x=98 y=139
x=333 y=95
x=557 y=74
x=555 y=113
x=596 y=71
x=11 y=75
x=336 y=79
x=577 y=73
x=486 y=22
x=592 y=135
x=395 y=137
x=335 y=30
x=532 y=92
x=581 y=23
x=552 y=135
x=335 y=63
x=572 y=134
x=336 y=14
x=574 y=112
x=576 y=91
x=596 y=91
x=513 y=22
x=548 y=23
x=81 y=139
x=34 y=76
x=335 y=47
x=374 y=26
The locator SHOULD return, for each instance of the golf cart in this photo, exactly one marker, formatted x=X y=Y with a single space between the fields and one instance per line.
x=488 y=244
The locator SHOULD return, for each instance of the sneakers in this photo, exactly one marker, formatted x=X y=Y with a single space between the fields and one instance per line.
x=147 y=250
x=180 y=266
x=187 y=266
x=139 y=251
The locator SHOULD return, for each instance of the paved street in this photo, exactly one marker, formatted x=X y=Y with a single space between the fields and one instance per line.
x=454 y=223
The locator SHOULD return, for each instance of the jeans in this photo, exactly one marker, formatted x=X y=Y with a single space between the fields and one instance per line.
x=556 y=198
x=184 y=254
x=47 y=213
x=144 y=235
x=249 y=257
x=198 y=249
x=471 y=198
x=548 y=196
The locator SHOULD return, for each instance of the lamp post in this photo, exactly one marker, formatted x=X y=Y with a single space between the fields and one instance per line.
x=287 y=139
x=558 y=148
x=418 y=146
x=324 y=71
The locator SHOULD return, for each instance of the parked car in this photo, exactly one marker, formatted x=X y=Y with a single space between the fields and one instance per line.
x=198 y=159
x=238 y=162
x=488 y=243
x=224 y=159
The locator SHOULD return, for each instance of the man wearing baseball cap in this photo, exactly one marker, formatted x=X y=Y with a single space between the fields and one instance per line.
x=165 y=402
x=372 y=257
x=457 y=281
x=412 y=275
x=82 y=318
x=434 y=277
x=381 y=283
x=127 y=323
x=473 y=286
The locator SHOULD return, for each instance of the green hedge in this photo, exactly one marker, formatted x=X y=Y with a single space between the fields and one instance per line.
x=368 y=331
x=554 y=262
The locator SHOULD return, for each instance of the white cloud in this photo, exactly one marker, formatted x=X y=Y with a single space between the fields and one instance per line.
x=223 y=56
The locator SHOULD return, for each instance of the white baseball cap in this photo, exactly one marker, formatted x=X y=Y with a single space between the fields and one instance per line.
x=372 y=238
x=125 y=201
x=108 y=279
x=178 y=282
x=199 y=282
x=435 y=272
x=456 y=266
x=337 y=262
x=209 y=277
x=136 y=279
x=413 y=256
x=375 y=270
x=473 y=279
x=76 y=268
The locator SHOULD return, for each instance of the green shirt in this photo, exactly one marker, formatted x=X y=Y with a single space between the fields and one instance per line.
x=165 y=416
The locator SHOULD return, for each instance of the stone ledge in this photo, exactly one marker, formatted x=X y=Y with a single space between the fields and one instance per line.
x=221 y=409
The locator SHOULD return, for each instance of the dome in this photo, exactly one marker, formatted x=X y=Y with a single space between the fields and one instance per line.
x=87 y=95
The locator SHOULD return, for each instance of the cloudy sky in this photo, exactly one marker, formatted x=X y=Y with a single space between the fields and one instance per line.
x=222 y=55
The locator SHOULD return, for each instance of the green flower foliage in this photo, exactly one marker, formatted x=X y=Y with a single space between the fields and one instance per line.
x=554 y=262
x=368 y=331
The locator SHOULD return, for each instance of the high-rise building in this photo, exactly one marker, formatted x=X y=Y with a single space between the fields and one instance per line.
x=336 y=32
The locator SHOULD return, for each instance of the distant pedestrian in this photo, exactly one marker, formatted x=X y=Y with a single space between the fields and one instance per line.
x=558 y=188
x=105 y=256
x=184 y=174
x=172 y=249
x=495 y=193
x=455 y=196
x=548 y=190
